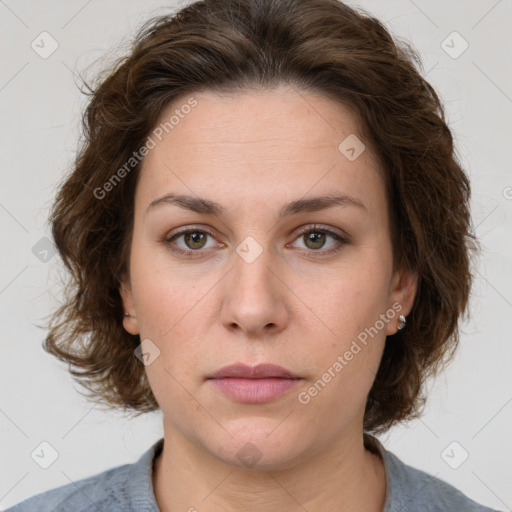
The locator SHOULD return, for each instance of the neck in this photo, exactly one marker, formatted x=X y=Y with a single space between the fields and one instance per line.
x=187 y=477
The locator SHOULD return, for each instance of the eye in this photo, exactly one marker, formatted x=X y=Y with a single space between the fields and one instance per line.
x=314 y=239
x=194 y=240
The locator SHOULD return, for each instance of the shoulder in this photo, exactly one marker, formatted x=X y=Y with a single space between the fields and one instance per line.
x=412 y=489
x=103 y=490
x=121 y=489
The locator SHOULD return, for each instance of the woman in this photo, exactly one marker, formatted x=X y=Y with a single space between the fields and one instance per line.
x=268 y=238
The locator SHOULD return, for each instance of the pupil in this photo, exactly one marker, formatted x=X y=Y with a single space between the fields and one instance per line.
x=195 y=238
x=316 y=239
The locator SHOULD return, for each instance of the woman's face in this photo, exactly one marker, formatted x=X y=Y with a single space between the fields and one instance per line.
x=273 y=276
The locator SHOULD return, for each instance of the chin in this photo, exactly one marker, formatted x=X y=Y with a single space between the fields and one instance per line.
x=261 y=444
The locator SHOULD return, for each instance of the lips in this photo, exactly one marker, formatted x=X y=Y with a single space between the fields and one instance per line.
x=254 y=384
x=260 y=371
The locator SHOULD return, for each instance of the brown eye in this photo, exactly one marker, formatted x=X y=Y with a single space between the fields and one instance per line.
x=194 y=239
x=314 y=240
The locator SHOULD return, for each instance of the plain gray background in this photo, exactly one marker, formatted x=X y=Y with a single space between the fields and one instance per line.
x=470 y=404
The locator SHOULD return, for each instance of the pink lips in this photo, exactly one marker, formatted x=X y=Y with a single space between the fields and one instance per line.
x=254 y=384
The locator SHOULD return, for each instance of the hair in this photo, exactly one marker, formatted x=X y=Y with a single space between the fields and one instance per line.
x=235 y=46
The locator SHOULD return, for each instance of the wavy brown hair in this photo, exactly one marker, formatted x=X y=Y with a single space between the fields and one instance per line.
x=233 y=46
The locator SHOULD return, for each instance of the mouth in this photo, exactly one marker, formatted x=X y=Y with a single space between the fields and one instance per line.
x=254 y=384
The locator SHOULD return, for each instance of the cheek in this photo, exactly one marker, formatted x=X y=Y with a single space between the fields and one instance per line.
x=348 y=363
x=165 y=291
x=170 y=318
x=171 y=312
x=169 y=306
x=349 y=298
x=350 y=305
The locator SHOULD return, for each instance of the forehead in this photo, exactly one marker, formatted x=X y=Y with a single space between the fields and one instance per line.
x=278 y=118
x=263 y=144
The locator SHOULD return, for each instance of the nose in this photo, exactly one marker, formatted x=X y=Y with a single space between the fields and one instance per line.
x=255 y=295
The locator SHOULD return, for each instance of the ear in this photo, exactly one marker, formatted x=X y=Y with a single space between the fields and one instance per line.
x=129 y=322
x=403 y=290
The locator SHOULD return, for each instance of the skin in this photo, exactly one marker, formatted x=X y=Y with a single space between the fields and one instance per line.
x=254 y=152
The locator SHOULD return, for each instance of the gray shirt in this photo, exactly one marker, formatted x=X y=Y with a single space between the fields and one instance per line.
x=129 y=488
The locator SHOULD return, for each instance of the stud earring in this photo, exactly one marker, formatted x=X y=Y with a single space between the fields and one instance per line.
x=403 y=322
x=127 y=314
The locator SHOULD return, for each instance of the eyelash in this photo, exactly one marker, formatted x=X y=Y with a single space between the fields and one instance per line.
x=307 y=229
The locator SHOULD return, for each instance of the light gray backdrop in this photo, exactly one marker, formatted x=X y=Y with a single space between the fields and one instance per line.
x=470 y=404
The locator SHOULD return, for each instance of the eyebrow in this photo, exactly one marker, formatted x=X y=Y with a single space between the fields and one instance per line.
x=208 y=207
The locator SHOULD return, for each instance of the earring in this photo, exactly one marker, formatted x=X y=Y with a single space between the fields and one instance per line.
x=127 y=314
x=403 y=322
